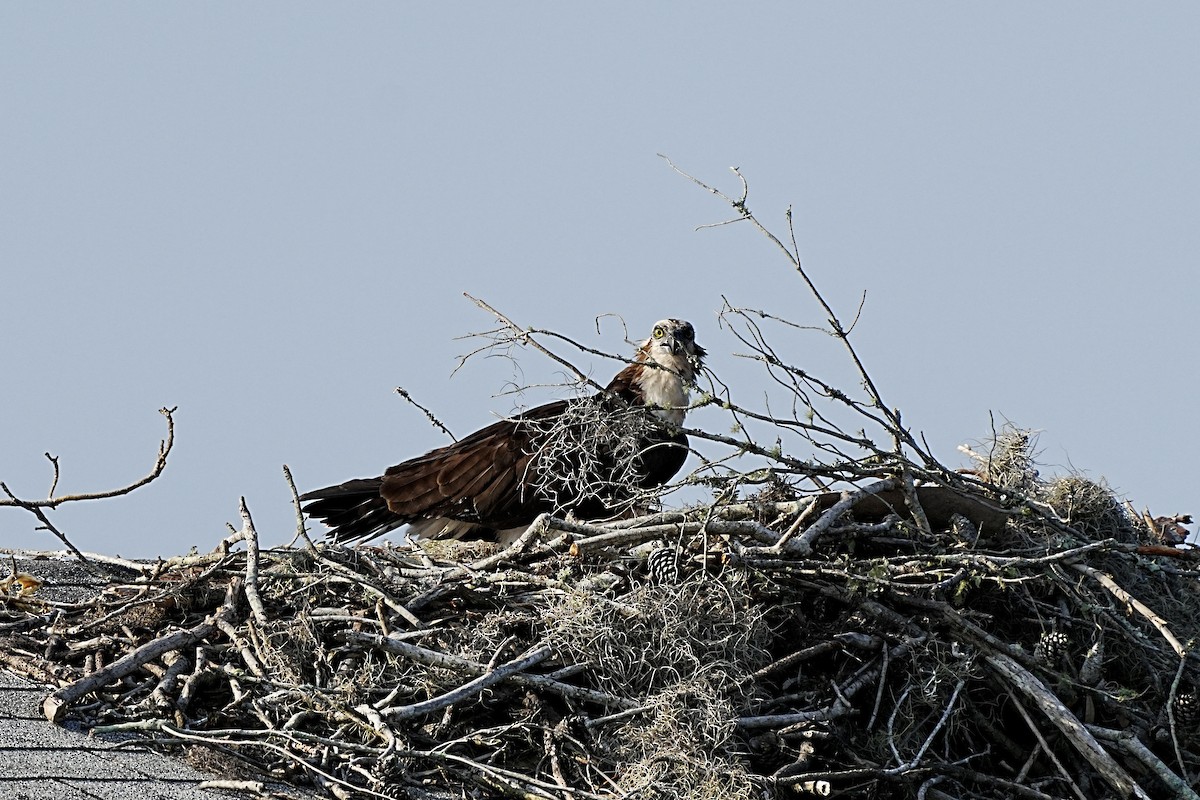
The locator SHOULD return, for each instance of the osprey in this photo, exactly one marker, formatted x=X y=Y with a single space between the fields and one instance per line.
x=591 y=457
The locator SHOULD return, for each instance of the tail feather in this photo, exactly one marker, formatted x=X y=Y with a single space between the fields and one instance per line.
x=353 y=510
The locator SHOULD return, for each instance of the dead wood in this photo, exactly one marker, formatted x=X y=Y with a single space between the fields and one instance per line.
x=565 y=667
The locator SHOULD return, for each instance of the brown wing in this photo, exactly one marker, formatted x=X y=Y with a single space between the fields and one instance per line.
x=479 y=479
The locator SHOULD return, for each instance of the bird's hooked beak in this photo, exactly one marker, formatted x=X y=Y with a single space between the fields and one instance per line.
x=672 y=343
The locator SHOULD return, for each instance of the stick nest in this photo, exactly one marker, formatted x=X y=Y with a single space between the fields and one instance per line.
x=889 y=640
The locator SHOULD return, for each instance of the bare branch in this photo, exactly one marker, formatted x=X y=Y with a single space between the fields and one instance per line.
x=160 y=463
x=437 y=423
x=525 y=337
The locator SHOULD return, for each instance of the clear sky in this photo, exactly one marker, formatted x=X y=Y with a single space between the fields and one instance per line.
x=266 y=215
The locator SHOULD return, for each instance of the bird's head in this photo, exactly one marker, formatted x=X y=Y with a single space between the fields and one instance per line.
x=672 y=344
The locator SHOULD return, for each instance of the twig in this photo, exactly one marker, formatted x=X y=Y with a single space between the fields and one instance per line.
x=243 y=645
x=468 y=689
x=54 y=482
x=803 y=545
x=1129 y=743
x=55 y=706
x=526 y=338
x=837 y=330
x=437 y=423
x=217 y=737
x=46 y=525
x=251 y=536
x=1172 y=697
x=301 y=529
x=1067 y=723
x=255 y=787
x=177 y=665
x=1045 y=747
x=1112 y=586
x=459 y=664
x=160 y=463
x=836 y=709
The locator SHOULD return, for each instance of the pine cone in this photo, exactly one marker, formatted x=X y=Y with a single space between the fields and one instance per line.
x=1051 y=647
x=1187 y=707
x=386 y=776
x=663 y=566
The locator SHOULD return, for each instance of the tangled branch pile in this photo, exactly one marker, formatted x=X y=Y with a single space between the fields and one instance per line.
x=862 y=622
x=877 y=642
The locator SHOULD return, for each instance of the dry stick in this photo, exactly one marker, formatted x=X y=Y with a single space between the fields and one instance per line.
x=257 y=787
x=1045 y=748
x=1128 y=742
x=801 y=520
x=191 y=685
x=164 y=449
x=459 y=664
x=804 y=654
x=975 y=634
x=914 y=503
x=301 y=531
x=620 y=716
x=891 y=727
x=177 y=663
x=1171 y=698
x=214 y=738
x=1067 y=723
x=468 y=689
x=46 y=525
x=804 y=544
x=729 y=511
x=928 y=785
x=606 y=538
x=55 y=705
x=838 y=708
x=541 y=787
x=768 y=357
x=1023 y=773
x=550 y=749
x=437 y=423
x=350 y=575
x=886 y=660
x=838 y=331
x=117 y=561
x=36 y=669
x=528 y=339
x=251 y=536
x=539 y=527
x=1107 y=582
x=243 y=646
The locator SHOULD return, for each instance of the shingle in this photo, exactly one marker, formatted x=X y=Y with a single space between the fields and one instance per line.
x=54 y=762
x=39 y=789
x=41 y=761
x=146 y=790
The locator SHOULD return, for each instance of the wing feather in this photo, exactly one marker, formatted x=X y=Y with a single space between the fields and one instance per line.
x=476 y=479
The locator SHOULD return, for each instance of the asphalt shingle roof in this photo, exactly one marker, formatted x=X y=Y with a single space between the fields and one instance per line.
x=42 y=761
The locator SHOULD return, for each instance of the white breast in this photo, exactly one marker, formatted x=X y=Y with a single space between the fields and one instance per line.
x=665 y=389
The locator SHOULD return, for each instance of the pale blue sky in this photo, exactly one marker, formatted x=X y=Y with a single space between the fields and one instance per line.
x=266 y=214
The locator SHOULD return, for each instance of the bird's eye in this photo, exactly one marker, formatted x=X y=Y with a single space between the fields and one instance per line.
x=659 y=333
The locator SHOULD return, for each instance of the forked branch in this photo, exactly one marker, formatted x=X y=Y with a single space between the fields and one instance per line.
x=160 y=463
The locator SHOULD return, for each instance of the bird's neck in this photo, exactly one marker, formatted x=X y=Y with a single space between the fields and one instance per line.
x=663 y=383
